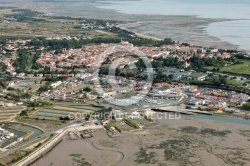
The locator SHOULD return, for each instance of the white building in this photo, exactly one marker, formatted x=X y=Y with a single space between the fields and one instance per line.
x=134 y=115
x=231 y=110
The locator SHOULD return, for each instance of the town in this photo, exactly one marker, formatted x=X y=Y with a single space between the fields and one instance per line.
x=80 y=90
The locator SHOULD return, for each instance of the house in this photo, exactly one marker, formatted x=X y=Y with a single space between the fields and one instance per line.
x=44 y=94
x=104 y=122
x=231 y=110
x=161 y=90
x=30 y=75
x=8 y=134
x=12 y=83
x=13 y=73
x=10 y=104
x=20 y=139
x=19 y=103
x=34 y=98
x=54 y=85
x=134 y=114
x=39 y=75
x=21 y=74
x=197 y=76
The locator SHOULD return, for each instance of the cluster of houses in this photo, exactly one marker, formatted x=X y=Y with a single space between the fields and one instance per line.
x=95 y=25
x=5 y=134
x=211 y=99
x=8 y=104
x=178 y=74
x=10 y=50
x=216 y=100
x=93 y=55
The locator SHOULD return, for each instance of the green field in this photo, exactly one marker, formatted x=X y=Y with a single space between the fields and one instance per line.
x=241 y=68
x=233 y=83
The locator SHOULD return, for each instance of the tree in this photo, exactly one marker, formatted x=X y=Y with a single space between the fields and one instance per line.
x=87 y=89
x=247 y=106
x=24 y=113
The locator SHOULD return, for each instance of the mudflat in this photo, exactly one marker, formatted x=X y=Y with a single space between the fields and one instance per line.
x=186 y=141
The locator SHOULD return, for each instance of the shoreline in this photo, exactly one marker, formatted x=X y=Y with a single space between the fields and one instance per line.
x=124 y=26
x=183 y=28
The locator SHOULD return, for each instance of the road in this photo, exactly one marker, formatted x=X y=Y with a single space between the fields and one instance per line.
x=36 y=138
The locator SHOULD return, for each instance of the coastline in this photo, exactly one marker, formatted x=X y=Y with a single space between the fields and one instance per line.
x=124 y=26
x=183 y=28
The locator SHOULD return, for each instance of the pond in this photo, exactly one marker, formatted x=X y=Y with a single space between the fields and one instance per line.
x=36 y=131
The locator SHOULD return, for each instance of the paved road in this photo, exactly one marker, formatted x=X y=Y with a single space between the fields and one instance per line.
x=36 y=138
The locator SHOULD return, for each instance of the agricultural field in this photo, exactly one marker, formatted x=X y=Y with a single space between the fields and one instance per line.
x=57 y=112
x=50 y=114
x=123 y=126
x=241 y=68
x=7 y=114
x=234 y=83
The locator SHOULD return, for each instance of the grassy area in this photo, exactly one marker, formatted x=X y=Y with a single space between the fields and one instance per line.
x=234 y=83
x=84 y=132
x=131 y=123
x=38 y=25
x=108 y=144
x=241 y=68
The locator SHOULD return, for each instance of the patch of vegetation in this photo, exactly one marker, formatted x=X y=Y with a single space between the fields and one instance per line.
x=240 y=66
x=104 y=113
x=247 y=106
x=131 y=123
x=148 y=119
x=24 y=15
x=177 y=150
x=119 y=128
x=79 y=160
x=24 y=113
x=213 y=132
x=84 y=132
x=204 y=131
x=75 y=155
x=236 y=156
x=190 y=129
x=142 y=157
x=38 y=104
x=26 y=60
x=66 y=118
x=108 y=144
x=233 y=82
x=18 y=155
x=245 y=133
